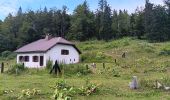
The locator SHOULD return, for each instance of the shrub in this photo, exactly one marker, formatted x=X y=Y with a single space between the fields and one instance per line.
x=166 y=81
x=118 y=43
x=95 y=57
x=17 y=67
x=12 y=56
x=89 y=89
x=146 y=83
x=6 y=53
x=89 y=47
x=78 y=69
x=165 y=51
x=63 y=91
x=145 y=47
x=49 y=64
x=28 y=93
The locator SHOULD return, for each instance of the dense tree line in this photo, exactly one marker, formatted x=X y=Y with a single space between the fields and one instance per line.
x=151 y=22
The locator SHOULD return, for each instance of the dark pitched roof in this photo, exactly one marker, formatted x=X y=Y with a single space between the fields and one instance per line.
x=44 y=45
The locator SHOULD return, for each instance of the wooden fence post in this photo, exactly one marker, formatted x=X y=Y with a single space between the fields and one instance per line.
x=87 y=67
x=103 y=65
x=2 y=67
x=124 y=55
x=115 y=61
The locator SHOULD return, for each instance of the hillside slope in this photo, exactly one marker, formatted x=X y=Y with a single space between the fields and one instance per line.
x=148 y=61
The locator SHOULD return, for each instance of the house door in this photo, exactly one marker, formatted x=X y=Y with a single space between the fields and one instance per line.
x=41 y=60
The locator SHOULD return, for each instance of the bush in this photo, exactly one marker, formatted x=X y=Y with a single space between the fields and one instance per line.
x=118 y=43
x=78 y=69
x=165 y=51
x=12 y=56
x=63 y=91
x=147 y=83
x=145 y=47
x=8 y=55
x=49 y=64
x=95 y=57
x=17 y=67
x=28 y=93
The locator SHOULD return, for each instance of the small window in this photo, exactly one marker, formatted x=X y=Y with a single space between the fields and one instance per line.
x=74 y=60
x=70 y=59
x=64 y=52
x=21 y=58
x=26 y=58
x=35 y=58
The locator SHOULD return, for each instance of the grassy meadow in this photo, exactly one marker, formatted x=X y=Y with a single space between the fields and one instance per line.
x=148 y=61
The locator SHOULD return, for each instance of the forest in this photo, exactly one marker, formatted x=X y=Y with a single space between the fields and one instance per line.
x=151 y=23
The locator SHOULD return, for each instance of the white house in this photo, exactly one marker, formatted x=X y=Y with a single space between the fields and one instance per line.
x=36 y=54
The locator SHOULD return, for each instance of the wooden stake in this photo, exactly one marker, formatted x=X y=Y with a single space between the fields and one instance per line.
x=2 y=67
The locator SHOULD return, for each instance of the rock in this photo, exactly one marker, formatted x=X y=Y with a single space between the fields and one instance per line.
x=166 y=88
x=134 y=83
x=158 y=85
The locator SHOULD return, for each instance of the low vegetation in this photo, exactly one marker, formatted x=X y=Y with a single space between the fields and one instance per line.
x=109 y=80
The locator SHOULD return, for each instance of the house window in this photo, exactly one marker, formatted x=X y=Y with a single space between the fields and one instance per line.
x=26 y=58
x=64 y=52
x=74 y=60
x=35 y=58
x=21 y=58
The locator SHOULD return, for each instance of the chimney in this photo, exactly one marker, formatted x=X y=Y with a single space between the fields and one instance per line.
x=48 y=37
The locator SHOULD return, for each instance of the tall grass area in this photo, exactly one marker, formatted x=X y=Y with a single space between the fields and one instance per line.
x=148 y=61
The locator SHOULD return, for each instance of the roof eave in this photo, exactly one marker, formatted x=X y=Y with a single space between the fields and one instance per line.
x=19 y=52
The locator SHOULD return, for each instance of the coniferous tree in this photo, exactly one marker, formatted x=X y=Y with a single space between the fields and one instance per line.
x=167 y=3
x=148 y=14
x=115 y=24
x=105 y=21
x=82 y=24
x=158 y=30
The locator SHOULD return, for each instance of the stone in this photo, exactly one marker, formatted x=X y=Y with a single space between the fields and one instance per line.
x=134 y=83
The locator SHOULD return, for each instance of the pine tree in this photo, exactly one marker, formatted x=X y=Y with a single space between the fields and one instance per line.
x=148 y=16
x=105 y=21
x=82 y=24
x=115 y=24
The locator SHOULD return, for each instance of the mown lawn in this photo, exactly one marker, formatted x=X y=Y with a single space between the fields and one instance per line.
x=148 y=61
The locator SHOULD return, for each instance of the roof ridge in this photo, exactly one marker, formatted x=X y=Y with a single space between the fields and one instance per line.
x=43 y=45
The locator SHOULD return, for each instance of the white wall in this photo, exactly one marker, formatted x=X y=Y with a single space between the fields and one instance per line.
x=55 y=54
x=32 y=64
x=52 y=54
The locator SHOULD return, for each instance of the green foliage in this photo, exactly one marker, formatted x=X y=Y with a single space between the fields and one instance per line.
x=146 y=47
x=16 y=69
x=49 y=65
x=75 y=69
x=88 y=89
x=95 y=57
x=118 y=43
x=82 y=23
x=144 y=83
x=28 y=93
x=152 y=23
x=7 y=91
x=6 y=53
x=165 y=51
x=104 y=21
x=65 y=92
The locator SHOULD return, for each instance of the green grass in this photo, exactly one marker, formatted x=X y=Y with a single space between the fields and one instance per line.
x=143 y=59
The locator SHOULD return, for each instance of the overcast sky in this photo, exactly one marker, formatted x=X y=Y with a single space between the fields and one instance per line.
x=11 y=6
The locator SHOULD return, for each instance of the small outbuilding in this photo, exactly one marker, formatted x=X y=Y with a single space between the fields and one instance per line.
x=38 y=53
